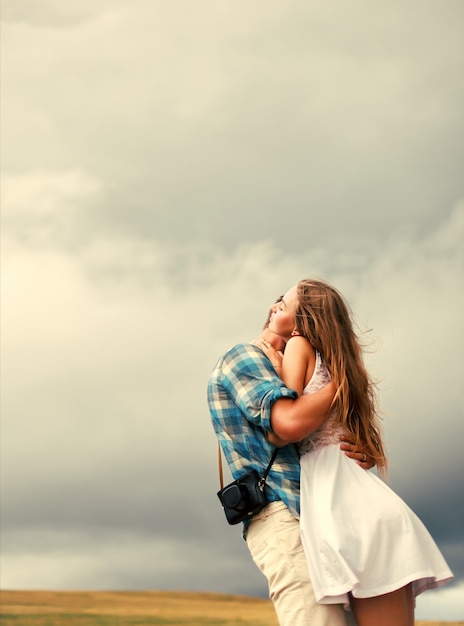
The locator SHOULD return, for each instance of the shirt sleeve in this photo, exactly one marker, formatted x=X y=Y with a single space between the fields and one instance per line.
x=249 y=377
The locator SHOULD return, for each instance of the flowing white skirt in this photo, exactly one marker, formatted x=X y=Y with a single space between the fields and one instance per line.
x=358 y=535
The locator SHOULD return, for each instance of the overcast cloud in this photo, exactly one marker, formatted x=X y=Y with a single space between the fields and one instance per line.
x=168 y=169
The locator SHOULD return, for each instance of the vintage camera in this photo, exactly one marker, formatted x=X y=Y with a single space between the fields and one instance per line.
x=243 y=498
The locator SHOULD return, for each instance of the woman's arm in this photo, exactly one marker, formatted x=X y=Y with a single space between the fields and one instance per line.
x=319 y=408
x=293 y=421
x=298 y=363
x=294 y=371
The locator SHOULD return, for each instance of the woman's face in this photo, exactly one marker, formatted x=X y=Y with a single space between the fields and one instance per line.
x=282 y=320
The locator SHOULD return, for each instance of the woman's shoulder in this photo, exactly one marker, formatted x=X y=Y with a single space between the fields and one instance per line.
x=299 y=350
x=300 y=343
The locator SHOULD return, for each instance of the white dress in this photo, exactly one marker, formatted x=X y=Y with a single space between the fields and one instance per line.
x=358 y=535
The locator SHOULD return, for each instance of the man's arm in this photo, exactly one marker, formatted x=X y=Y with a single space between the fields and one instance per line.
x=293 y=420
x=290 y=426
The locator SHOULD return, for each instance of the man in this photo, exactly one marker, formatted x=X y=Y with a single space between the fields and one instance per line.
x=247 y=399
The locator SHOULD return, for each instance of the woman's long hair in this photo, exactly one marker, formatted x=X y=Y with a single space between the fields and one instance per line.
x=323 y=317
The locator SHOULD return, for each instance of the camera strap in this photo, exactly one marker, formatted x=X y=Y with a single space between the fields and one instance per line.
x=263 y=477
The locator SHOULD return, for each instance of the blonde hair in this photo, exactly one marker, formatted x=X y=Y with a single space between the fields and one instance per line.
x=324 y=318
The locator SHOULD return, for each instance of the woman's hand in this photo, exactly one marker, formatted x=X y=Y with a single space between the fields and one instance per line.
x=275 y=356
x=363 y=459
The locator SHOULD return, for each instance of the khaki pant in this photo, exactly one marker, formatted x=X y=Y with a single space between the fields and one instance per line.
x=273 y=539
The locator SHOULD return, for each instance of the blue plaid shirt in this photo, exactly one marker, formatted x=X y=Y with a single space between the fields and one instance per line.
x=241 y=391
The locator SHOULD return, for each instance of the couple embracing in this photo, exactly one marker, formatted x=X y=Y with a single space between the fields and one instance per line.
x=333 y=535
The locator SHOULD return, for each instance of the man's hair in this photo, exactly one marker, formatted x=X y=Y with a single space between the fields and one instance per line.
x=266 y=323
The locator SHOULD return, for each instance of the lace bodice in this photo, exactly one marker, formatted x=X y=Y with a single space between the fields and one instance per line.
x=330 y=429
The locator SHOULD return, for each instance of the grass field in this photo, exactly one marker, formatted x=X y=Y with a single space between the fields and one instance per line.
x=148 y=608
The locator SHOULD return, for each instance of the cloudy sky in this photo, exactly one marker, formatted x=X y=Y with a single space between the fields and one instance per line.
x=168 y=168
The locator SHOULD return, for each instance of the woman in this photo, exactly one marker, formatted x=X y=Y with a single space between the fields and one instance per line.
x=364 y=546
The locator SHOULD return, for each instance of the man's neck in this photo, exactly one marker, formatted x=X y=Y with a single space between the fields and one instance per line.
x=276 y=341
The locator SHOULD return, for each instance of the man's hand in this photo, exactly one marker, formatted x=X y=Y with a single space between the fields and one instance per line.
x=363 y=459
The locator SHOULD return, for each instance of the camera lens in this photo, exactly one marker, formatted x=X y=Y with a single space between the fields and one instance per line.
x=232 y=498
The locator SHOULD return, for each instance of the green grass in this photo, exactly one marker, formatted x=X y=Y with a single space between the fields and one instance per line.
x=49 y=608
x=67 y=619
x=151 y=608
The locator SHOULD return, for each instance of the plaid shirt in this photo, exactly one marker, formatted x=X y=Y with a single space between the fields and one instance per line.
x=241 y=391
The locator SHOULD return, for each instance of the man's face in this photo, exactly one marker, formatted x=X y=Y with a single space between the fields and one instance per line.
x=282 y=320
